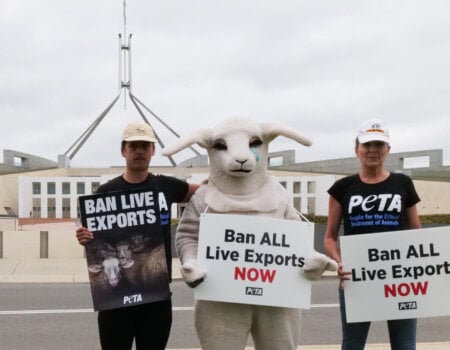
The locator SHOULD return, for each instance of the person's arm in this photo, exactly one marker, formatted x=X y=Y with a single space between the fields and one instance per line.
x=413 y=218
x=186 y=241
x=331 y=237
x=331 y=234
x=191 y=190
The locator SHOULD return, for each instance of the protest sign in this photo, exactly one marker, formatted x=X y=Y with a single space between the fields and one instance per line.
x=126 y=259
x=254 y=260
x=397 y=275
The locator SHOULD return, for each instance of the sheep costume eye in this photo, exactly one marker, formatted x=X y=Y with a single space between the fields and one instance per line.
x=220 y=146
x=237 y=147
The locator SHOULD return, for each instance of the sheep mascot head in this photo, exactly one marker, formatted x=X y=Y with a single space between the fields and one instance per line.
x=237 y=150
x=239 y=183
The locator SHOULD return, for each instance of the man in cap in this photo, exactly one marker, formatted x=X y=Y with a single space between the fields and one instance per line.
x=149 y=324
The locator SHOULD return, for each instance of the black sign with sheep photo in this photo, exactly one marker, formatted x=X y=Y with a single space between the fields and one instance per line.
x=126 y=259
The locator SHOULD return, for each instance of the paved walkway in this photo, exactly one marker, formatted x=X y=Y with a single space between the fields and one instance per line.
x=51 y=270
x=75 y=270
x=43 y=270
x=420 y=346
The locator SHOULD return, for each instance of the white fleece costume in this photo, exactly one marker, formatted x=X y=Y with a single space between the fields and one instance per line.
x=239 y=184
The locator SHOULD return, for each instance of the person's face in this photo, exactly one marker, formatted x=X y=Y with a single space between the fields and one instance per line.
x=138 y=154
x=373 y=153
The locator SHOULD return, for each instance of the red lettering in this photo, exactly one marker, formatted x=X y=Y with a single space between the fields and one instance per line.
x=420 y=288
x=239 y=274
x=254 y=274
x=404 y=289
x=267 y=275
x=390 y=290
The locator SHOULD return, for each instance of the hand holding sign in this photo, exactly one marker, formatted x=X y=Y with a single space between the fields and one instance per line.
x=317 y=264
x=83 y=235
x=343 y=275
x=192 y=273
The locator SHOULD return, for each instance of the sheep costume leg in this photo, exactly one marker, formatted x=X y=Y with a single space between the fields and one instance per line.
x=226 y=326
x=239 y=184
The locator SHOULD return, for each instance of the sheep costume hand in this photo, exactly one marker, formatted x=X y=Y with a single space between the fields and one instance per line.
x=239 y=184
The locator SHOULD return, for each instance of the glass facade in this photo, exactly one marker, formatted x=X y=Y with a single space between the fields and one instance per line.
x=66 y=188
x=51 y=188
x=36 y=188
x=80 y=188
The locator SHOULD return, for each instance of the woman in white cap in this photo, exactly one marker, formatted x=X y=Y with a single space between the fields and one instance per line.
x=348 y=203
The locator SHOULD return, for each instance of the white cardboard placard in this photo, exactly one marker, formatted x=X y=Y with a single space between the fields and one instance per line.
x=254 y=260
x=397 y=275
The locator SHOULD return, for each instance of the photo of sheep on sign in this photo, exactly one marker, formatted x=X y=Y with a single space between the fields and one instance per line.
x=126 y=259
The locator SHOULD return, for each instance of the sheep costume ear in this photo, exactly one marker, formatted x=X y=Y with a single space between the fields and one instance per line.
x=203 y=137
x=272 y=130
x=200 y=137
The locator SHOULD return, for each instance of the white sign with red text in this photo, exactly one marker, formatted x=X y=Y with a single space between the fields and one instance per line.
x=254 y=260
x=397 y=275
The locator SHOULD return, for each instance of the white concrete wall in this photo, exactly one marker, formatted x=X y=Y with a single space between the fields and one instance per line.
x=435 y=197
x=21 y=244
x=62 y=244
x=8 y=224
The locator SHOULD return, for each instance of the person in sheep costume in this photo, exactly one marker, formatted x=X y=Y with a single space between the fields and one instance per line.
x=239 y=184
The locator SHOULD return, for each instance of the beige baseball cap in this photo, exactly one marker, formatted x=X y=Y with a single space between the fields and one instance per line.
x=139 y=131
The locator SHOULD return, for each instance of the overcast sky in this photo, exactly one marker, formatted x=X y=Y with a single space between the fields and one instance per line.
x=320 y=66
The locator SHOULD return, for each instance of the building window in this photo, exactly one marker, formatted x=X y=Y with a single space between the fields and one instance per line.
x=275 y=161
x=311 y=206
x=20 y=162
x=80 y=188
x=298 y=204
x=51 y=208
x=283 y=183
x=95 y=186
x=36 y=188
x=66 y=208
x=311 y=187
x=416 y=162
x=297 y=187
x=51 y=188
x=66 y=188
x=36 y=208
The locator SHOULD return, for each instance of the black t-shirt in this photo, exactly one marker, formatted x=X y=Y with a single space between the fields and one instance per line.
x=380 y=207
x=172 y=190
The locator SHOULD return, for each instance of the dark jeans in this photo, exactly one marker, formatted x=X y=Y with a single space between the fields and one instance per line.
x=402 y=333
x=149 y=324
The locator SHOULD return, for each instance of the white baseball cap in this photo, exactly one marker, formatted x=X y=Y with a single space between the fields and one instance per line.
x=139 y=131
x=373 y=130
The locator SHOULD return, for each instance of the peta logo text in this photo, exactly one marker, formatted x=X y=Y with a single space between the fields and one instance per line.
x=381 y=202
